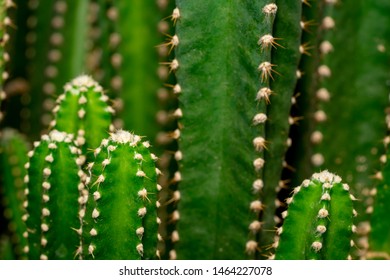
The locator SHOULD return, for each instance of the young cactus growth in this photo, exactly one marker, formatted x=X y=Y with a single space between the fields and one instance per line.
x=53 y=198
x=83 y=107
x=121 y=215
x=318 y=222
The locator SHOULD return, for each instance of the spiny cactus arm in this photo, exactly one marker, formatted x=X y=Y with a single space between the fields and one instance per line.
x=119 y=203
x=319 y=221
x=217 y=85
x=286 y=59
x=55 y=224
x=57 y=53
x=13 y=155
x=83 y=107
x=137 y=25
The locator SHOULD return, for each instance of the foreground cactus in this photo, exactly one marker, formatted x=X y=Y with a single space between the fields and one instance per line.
x=245 y=134
x=249 y=81
x=120 y=220
x=318 y=222
x=53 y=192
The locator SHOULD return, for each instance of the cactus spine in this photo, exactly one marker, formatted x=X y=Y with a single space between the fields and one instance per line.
x=121 y=215
x=318 y=222
x=53 y=203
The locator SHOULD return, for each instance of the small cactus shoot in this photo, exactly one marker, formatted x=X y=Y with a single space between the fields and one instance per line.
x=319 y=221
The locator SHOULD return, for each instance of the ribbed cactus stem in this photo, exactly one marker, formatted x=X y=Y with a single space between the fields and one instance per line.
x=83 y=106
x=55 y=198
x=121 y=219
x=319 y=221
x=13 y=157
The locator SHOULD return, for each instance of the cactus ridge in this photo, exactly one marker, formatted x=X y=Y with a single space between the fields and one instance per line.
x=13 y=157
x=83 y=106
x=5 y=23
x=319 y=221
x=54 y=187
x=123 y=171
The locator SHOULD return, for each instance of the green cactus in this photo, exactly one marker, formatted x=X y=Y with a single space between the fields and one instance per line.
x=83 y=107
x=319 y=221
x=53 y=198
x=121 y=220
x=231 y=113
x=13 y=157
x=256 y=96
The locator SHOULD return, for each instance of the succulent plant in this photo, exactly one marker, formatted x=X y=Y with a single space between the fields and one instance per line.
x=319 y=221
x=242 y=101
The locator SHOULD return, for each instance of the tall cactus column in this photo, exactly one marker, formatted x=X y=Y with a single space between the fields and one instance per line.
x=226 y=73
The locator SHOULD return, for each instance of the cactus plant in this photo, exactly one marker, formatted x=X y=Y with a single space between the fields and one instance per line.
x=83 y=107
x=318 y=222
x=52 y=203
x=124 y=172
x=251 y=106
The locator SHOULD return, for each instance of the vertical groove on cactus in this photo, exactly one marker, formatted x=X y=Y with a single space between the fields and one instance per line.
x=319 y=221
x=124 y=171
x=83 y=111
x=13 y=157
x=53 y=198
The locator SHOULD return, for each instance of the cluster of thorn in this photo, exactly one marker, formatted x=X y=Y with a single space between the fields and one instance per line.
x=165 y=117
x=322 y=94
x=266 y=43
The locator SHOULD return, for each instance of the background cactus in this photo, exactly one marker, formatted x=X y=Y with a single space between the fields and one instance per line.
x=13 y=156
x=242 y=100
